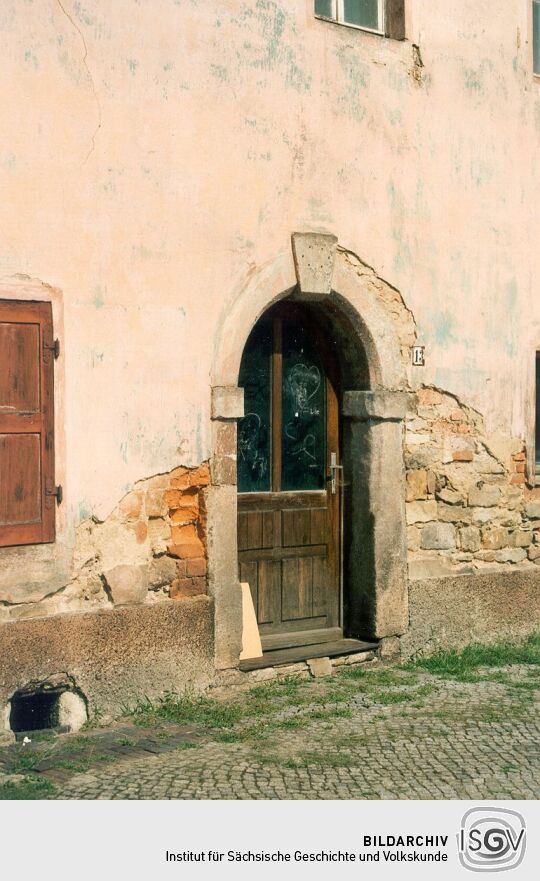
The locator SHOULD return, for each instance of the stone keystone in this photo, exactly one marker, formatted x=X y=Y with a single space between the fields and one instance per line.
x=314 y=256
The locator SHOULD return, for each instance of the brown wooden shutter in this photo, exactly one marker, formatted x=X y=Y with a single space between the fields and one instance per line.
x=27 y=510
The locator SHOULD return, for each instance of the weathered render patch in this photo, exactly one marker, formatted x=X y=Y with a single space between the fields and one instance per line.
x=152 y=547
x=270 y=47
x=390 y=299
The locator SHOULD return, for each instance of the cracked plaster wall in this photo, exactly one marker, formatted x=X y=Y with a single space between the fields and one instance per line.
x=147 y=179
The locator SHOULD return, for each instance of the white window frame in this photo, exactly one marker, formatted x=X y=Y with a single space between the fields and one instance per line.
x=338 y=15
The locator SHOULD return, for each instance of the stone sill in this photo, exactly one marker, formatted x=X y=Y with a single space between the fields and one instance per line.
x=498 y=569
x=109 y=609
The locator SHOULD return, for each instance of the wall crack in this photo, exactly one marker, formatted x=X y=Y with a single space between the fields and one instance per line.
x=90 y=77
x=416 y=71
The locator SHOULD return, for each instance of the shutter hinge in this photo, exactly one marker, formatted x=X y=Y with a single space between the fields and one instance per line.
x=53 y=347
x=58 y=492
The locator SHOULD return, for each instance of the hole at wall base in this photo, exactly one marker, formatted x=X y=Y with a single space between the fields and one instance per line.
x=47 y=709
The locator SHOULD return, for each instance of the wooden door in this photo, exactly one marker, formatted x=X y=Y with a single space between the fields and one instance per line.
x=288 y=504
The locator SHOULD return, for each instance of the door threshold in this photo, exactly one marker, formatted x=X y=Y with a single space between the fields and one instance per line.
x=296 y=654
x=294 y=639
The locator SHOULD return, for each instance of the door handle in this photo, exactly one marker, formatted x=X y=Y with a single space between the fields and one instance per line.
x=334 y=468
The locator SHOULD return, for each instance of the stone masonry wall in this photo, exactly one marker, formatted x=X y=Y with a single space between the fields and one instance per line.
x=151 y=548
x=468 y=508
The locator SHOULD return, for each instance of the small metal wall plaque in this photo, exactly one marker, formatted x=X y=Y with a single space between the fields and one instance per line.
x=419 y=356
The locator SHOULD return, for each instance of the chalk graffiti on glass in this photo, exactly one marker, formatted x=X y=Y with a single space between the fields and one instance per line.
x=254 y=447
x=304 y=413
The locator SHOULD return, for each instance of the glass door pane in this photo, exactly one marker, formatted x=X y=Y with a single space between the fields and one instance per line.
x=254 y=430
x=303 y=432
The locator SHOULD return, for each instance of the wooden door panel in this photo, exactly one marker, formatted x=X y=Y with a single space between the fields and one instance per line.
x=269 y=529
x=20 y=479
x=242 y=530
x=257 y=529
x=296 y=528
x=294 y=628
x=269 y=583
x=318 y=525
x=323 y=601
x=254 y=530
x=297 y=588
x=19 y=377
x=288 y=553
x=280 y=501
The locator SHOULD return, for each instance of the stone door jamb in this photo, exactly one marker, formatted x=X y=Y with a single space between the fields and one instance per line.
x=376 y=530
x=227 y=407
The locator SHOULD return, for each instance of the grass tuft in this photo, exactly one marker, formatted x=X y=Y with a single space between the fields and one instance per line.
x=29 y=789
x=465 y=665
x=182 y=709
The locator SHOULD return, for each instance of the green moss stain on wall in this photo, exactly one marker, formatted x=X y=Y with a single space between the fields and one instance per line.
x=266 y=46
x=443 y=329
x=501 y=321
x=356 y=82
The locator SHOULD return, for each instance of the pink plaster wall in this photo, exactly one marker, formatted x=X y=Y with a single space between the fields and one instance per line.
x=155 y=155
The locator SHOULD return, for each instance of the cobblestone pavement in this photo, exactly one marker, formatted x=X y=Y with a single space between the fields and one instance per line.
x=446 y=740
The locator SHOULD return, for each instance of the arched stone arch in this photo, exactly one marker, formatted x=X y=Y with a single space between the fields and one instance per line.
x=356 y=291
x=273 y=282
x=375 y=320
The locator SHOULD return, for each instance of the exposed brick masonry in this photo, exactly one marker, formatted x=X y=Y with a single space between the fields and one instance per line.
x=173 y=508
x=186 y=507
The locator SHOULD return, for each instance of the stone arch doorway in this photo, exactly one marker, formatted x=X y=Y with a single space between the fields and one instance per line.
x=372 y=399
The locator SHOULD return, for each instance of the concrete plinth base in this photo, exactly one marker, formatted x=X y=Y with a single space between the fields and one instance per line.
x=452 y=612
x=113 y=658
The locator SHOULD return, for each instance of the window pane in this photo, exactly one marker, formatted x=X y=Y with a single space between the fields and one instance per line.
x=364 y=13
x=304 y=412
x=324 y=8
x=536 y=35
x=254 y=460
